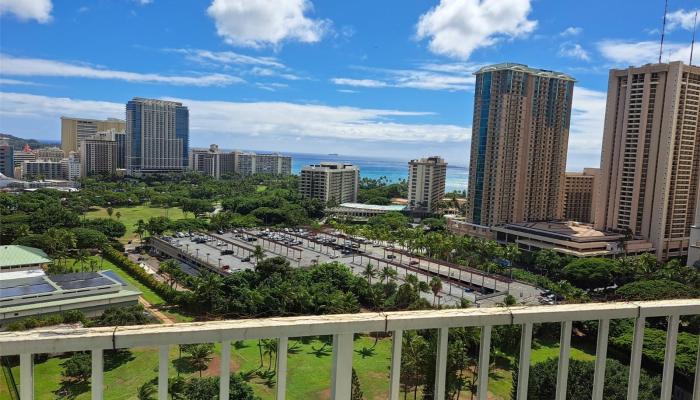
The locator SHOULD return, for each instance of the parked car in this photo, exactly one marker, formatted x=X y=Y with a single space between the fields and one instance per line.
x=245 y=259
x=414 y=262
x=226 y=252
x=390 y=256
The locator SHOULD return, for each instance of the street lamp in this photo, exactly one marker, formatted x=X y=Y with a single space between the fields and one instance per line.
x=207 y=258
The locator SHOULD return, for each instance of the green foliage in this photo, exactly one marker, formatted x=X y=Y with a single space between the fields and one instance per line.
x=543 y=381
x=590 y=273
x=123 y=316
x=78 y=367
x=208 y=388
x=86 y=238
x=657 y=289
x=68 y=317
x=356 y=390
x=109 y=227
x=391 y=221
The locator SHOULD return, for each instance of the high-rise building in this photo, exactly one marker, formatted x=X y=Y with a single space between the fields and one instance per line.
x=329 y=181
x=651 y=155
x=157 y=136
x=26 y=154
x=120 y=138
x=71 y=166
x=50 y=153
x=98 y=154
x=520 y=135
x=206 y=161
x=74 y=130
x=426 y=183
x=216 y=163
x=7 y=164
x=578 y=197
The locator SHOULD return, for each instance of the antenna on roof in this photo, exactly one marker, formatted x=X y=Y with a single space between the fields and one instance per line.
x=663 y=31
x=692 y=43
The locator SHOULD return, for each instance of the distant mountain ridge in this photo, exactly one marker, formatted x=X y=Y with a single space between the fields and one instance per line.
x=18 y=143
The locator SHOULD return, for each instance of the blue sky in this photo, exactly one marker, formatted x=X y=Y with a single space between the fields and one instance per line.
x=390 y=78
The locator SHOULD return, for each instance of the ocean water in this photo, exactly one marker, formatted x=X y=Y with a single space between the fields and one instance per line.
x=393 y=170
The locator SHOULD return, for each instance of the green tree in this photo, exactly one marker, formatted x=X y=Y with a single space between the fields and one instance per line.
x=590 y=273
x=118 y=214
x=369 y=272
x=110 y=211
x=258 y=254
x=140 y=229
x=147 y=391
x=199 y=355
x=435 y=287
x=356 y=390
x=77 y=367
x=656 y=289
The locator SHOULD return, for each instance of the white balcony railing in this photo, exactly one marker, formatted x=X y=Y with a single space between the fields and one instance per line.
x=342 y=327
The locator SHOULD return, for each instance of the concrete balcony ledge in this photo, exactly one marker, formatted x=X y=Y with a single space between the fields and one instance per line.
x=343 y=326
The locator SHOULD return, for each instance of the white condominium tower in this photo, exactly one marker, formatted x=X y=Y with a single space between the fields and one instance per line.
x=520 y=135
x=648 y=184
x=426 y=183
x=329 y=181
x=157 y=136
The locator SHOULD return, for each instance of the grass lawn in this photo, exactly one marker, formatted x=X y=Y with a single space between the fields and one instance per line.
x=131 y=215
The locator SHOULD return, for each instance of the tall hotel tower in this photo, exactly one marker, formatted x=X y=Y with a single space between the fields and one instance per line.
x=157 y=136
x=648 y=184
x=520 y=135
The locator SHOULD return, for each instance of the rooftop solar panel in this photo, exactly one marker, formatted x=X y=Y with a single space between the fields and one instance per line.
x=26 y=290
x=113 y=275
x=85 y=283
x=74 y=276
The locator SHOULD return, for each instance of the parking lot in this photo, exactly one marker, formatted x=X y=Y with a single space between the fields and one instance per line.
x=227 y=252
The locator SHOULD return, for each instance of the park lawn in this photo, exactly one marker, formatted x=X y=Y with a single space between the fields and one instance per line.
x=130 y=216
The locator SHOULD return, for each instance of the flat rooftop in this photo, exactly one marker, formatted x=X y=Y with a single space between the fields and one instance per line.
x=563 y=230
x=373 y=207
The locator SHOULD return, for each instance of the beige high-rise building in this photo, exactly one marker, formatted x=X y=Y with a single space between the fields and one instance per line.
x=578 y=197
x=74 y=130
x=330 y=181
x=651 y=155
x=98 y=154
x=426 y=183
x=520 y=135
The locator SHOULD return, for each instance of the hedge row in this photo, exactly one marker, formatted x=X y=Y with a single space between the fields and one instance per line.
x=167 y=293
x=68 y=317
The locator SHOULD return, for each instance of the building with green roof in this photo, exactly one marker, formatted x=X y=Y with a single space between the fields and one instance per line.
x=14 y=257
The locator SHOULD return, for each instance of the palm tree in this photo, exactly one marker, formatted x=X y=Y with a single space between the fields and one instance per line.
x=147 y=391
x=200 y=355
x=140 y=229
x=118 y=215
x=435 y=287
x=110 y=211
x=258 y=254
x=80 y=258
x=208 y=288
x=168 y=268
x=387 y=274
x=369 y=272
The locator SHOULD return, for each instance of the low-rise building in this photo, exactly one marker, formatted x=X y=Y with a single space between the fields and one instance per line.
x=362 y=212
x=16 y=258
x=569 y=238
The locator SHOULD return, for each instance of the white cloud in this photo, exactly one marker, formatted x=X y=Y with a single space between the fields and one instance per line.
x=16 y=82
x=259 y=23
x=427 y=76
x=231 y=120
x=681 y=19
x=25 y=10
x=644 y=52
x=573 y=50
x=571 y=31
x=586 y=132
x=226 y=58
x=15 y=66
x=369 y=83
x=458 y=27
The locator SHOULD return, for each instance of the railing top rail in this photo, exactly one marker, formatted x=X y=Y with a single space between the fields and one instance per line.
x=71 y=339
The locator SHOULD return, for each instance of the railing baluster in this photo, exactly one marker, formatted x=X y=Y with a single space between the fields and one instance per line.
x=163 y=353
x=395 y=385
x=26 y=376
x=341 y=378
x=282 y=345
x=225 y=370
x=601 y=355
x=524 y=361
x=636 y=359
x=484 y=361
x=669 y=357
x=563 y=369
x=441 y=364
x=696 y=386
x=97 y=380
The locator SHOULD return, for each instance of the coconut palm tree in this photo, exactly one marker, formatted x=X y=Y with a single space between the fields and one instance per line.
x=147 y=391
x=369 y=272
x=118 y=215
x=435 y=287
x=80 y=258
x=258 y=254
x=110 y=211
x=140 y=229
x=387 y=274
